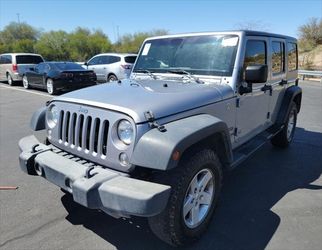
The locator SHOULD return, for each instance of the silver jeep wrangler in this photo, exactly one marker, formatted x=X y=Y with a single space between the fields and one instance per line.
x=157 y=144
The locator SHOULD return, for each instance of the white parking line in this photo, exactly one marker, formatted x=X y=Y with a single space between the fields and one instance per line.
x=25 y=90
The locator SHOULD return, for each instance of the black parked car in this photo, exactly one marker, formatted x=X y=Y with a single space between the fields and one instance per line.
x=56 y=76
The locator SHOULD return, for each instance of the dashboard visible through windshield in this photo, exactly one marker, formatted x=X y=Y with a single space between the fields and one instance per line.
x=200 y=55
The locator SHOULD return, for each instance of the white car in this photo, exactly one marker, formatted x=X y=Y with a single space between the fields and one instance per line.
x=111 y=66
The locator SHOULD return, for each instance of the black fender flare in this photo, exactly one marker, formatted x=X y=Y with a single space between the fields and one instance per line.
x=293 y=93
x=38 y=119
x=155 y=149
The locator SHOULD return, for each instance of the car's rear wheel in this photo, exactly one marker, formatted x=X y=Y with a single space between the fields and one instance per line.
x=9 y=80
x=286 y=135
x=25 y=82
x=51 y=89
x=196 y=185
x=111 y=78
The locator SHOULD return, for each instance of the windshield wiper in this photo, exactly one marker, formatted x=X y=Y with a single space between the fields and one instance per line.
x=184 y=72
x=145 y=71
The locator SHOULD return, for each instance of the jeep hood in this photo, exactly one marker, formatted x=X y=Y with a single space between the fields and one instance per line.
x=135 y=97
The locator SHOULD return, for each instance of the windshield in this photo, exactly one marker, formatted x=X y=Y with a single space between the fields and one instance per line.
x=68 y=66
x=201 y=55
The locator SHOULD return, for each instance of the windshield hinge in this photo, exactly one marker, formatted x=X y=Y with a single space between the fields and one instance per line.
x=152 y=123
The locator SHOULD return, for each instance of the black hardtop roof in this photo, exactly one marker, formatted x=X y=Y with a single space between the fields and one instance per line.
x=262 y=33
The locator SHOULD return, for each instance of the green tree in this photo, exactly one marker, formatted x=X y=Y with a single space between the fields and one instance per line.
x=310 y=34
x=53 y=45
x=84 y=44
x=18 y=37
x=132 y=42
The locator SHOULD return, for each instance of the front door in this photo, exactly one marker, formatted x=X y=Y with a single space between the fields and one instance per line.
x=252 y=108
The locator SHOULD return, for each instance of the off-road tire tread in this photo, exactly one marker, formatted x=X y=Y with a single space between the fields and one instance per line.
x=163 y=225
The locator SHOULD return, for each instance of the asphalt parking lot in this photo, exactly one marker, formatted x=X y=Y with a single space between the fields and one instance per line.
x=273 y=201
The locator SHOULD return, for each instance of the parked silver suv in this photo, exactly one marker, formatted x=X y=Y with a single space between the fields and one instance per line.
x=14 y=65
x=157 y=144
x=111 y=66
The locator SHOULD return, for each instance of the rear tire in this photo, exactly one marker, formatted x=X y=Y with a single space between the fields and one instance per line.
x=9 y=80
x=51 y=89
x=286 y=135
x=187 y=215
x=111 y=78
x=25 y=82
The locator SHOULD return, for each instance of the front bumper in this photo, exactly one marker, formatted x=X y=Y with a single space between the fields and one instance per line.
x=93 y=186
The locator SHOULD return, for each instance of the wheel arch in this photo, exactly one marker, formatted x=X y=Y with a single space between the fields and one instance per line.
x=164 y=150
x=292 y=94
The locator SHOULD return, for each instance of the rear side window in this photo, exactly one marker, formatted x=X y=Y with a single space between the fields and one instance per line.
x=255 y=53
x=5 y=59
x=278 y=57
x=129 y=59
x=292 y=56
x=114 y=59
x=26 y=59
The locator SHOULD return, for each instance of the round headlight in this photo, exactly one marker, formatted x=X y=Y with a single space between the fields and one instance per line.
x=125 y=132
x=52 y=116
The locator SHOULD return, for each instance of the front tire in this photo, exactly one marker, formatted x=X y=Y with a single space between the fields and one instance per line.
x=25 y=82
x=286 y=135
x=196 y=185
x=51 y=89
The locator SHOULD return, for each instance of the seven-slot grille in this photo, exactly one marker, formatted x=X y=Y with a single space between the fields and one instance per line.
x=83 y=132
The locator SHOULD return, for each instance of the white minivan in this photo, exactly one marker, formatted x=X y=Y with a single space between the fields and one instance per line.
x=13 y=65
x=111 y=66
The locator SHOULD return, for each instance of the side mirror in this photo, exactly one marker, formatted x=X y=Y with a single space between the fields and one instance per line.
x=256 y=73
x=86 y=63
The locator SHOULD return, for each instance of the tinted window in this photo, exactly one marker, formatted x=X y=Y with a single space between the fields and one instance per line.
x=41 y=67
x=277 y=57
x=114 y=59
x=94 y=61
x=104 y=60
x=292 y=56
x=68 y=66
x=6 y=59
x=129 y=59
x=25 y=59
x=255 y=53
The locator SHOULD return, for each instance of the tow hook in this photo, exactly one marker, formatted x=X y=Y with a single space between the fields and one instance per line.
x=88 y=172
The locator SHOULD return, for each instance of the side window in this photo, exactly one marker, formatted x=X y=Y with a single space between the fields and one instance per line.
x=94 y=61
x=255 y=53
x=1 y=60
x=114 y=59
x=278 y=56
x=104 y=60
x=5 y=59
x=41 y=67
x=292 y=56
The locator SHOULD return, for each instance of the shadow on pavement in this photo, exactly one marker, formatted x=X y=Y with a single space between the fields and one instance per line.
x=244 y=219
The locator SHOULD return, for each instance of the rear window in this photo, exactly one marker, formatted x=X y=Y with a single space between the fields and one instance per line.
x=129 y=59
x=28 y=59
x=68 y=66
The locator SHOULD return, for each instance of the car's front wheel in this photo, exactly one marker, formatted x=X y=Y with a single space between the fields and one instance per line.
x=25 y=82
x=196 y=185
x=51 y=89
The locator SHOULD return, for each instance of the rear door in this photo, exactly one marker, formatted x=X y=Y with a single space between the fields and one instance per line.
x=252 y=108
x=95 y=64
x=277 y=75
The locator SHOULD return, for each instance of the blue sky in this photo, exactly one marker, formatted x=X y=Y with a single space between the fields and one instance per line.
x=176 y=16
